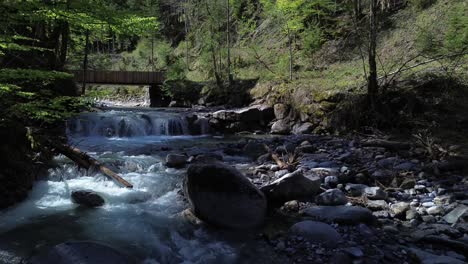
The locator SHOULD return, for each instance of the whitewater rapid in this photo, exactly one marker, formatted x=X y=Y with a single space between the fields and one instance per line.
x=143 y=222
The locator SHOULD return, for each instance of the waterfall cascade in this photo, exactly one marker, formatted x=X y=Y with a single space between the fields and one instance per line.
x=127 y=124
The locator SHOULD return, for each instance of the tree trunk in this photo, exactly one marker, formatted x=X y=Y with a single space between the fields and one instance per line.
x=290 y=55
x=85 y=63
x=228 y=42
x=372 y=84
x=64 y=44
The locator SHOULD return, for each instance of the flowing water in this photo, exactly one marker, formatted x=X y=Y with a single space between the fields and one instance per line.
x=142 y=222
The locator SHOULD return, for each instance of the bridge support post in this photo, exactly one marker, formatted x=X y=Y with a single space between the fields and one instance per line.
x=156 y=96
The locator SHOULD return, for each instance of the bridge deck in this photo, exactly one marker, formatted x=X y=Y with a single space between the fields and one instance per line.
x=120 y=77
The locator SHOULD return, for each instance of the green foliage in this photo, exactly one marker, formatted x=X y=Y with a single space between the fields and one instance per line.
x=47 y=111
x=434 y=38
x=456 y=38
x=313 y=39
x=421 y=4
x=25 y=76
x=177 y=70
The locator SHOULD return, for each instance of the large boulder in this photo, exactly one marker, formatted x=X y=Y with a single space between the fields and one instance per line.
x=281 y=127
x=332 y=197
x=87 y=198
x=304 y=128
x=221 y=195
x=281 y=111
x=81 y=253
x=341 y=214
x=247 y=118
x=176 y=160
x=316 y=232
x=292 y=186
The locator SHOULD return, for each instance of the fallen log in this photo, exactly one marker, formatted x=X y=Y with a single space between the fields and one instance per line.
x=391 y=145
x=87 y=162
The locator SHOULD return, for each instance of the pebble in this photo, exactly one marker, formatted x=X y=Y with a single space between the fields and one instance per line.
x=435 y=210
x=428 y=204
x=399 y=208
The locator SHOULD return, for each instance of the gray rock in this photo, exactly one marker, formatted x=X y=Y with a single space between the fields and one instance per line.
x=87 y=198
x=292 y=186
x=457 y=213
x=176 y=160
x=381 y=214
x=354 y=251
x=412 y=214
x=435 y=210
x=399 y=209
x=316 y=232
x=331 y=197
x=428 y=218
x=377 y=205
x=331 y=181
x=406 y=166
x=341 y=214
x=304 y=128
x=355 y=189
x=281 y=173
x=425 y=257
x=443 y=199
x=281 y=111
x=291 y=206
x=281 y=127
x=220 y=195
x=81 y=253
x=375 y=193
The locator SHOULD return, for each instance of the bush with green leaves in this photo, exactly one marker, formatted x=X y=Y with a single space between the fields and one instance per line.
x=421 y=4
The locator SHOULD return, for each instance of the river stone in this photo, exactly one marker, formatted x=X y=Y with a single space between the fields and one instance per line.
x=316 y=232
x=176 y=160
x=376 y=205
x=435 y=210
x=355 y=189
x=304 y=128
x=331 y=197
x=221 y=195
x=292 y=186
x=425 y=257
x=80 y=253
x=399 y=209
x=375 y=193
x=281 y=127
x=280 y=110
x=457 y=213
x=341 y=214
x=87 y=198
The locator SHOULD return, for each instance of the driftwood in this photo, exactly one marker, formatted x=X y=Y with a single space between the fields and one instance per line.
x=291 y=160
x=392 y=145
x=87 y=162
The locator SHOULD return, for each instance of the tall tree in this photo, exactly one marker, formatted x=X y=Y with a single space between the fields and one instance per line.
x=372 y=83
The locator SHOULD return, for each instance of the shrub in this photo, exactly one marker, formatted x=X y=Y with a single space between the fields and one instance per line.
x=421 y=4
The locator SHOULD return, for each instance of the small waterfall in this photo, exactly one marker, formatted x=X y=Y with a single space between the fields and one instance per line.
x=127 y=124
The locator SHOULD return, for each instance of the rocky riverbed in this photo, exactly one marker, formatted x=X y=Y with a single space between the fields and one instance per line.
x=287 y=199
x=356 y=200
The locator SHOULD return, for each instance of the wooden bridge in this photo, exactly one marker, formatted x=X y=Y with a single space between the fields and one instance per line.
x=152 y=79
x=119 y=77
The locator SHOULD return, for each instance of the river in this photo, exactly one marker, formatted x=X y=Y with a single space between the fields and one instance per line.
x=142 y=222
